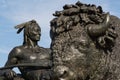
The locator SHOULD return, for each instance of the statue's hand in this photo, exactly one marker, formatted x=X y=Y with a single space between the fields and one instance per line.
x=10 y=74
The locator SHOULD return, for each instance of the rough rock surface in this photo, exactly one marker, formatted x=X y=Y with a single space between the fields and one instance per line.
x=77 y=55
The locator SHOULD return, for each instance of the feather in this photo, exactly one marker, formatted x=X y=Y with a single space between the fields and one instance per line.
x=21 y=26
x=19 y=30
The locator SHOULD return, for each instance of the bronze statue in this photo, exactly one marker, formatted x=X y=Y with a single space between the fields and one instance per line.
x=33 y=61
x=83 y=39
x=85 y=46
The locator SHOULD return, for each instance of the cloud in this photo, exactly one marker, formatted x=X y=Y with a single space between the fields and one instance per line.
x=38 y=9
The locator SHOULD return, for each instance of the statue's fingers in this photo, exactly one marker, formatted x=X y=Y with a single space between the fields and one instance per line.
x=8 y=76
x=14 y=74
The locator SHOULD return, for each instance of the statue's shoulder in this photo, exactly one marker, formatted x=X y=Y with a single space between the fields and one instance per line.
x=17 y=49
x=45 y=50
x=48 y=50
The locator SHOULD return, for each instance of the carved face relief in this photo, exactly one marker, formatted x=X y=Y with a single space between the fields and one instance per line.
x=35 y=33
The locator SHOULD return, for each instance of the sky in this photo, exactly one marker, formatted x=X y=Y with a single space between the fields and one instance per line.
x=14 y=12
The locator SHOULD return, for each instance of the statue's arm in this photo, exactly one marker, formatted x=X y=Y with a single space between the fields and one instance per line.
x=50 y=58
x=46 y=60
x=12 y=57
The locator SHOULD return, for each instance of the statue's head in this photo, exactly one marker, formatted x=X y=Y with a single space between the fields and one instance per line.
x=82 y=35
x=32 y=31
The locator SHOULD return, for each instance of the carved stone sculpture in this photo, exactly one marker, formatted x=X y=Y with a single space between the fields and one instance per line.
x=85 y=43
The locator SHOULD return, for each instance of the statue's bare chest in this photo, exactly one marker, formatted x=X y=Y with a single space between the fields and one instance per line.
x=28 y=55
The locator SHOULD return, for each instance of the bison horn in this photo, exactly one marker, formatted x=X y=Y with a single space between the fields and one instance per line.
x=99 y=29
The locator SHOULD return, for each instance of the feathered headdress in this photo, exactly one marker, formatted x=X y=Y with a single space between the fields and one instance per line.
x=22 y=26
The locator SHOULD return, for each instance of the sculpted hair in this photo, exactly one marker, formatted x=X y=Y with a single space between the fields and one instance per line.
x=27 y=26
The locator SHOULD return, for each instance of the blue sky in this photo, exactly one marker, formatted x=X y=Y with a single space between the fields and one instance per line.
x=14 y=12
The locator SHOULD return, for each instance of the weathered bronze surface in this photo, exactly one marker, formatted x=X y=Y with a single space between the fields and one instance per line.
x=85 y=43
x=85 y=46
x=33 y=61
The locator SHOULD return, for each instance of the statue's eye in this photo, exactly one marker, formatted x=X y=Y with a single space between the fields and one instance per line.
x=37 y=29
